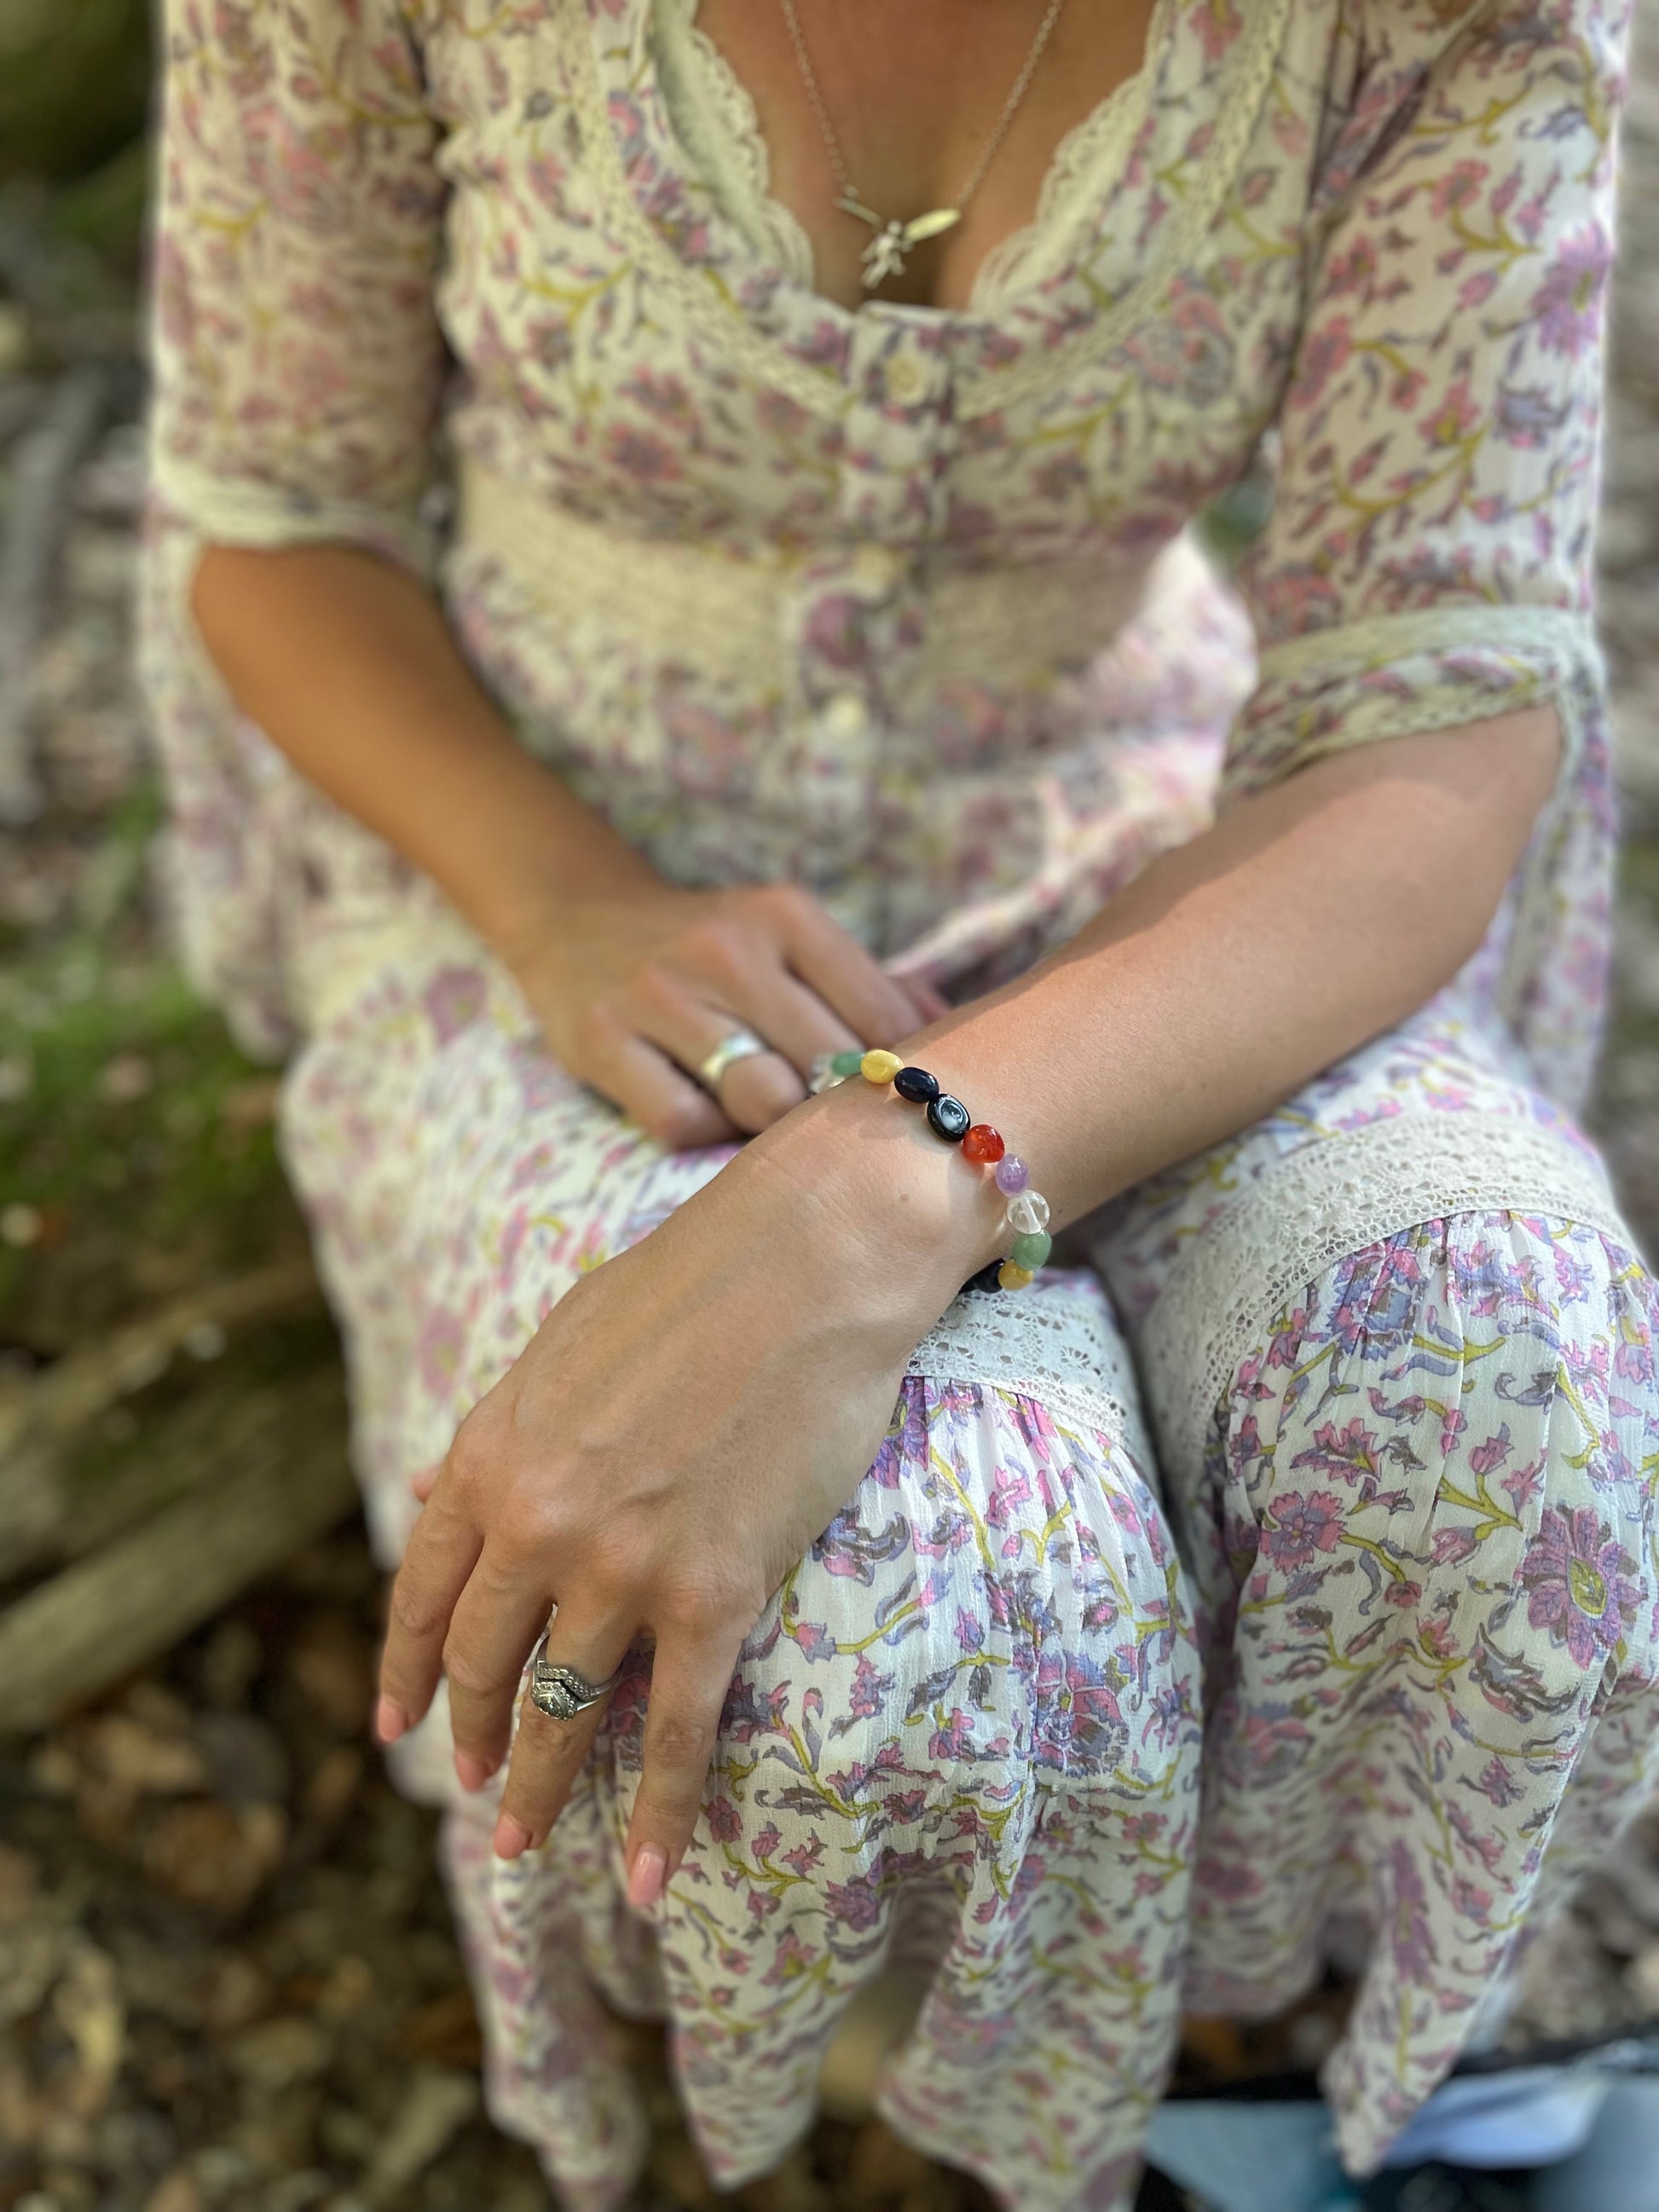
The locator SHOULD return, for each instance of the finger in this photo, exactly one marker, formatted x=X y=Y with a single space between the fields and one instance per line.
x=791 y=1016
x=443 y=1546
x=930 y=1002
x=689 y=1682
x=671 y=1014
x=759 y=1091
x=548 y=1754
x=420 y=1482
x=497 y=1621
x=643 y=1081
x=875 y=1006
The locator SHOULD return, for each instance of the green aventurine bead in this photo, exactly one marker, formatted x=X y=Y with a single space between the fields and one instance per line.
x=1032 y=1249
x=846 y=1063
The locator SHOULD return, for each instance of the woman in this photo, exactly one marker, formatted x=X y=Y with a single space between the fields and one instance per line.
x=812 y=663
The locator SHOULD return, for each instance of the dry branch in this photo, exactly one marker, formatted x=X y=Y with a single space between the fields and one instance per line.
x=39 y=1416
x=79 y=1633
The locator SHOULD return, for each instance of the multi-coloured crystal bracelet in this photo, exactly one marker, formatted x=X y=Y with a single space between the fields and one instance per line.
x=1027 y=1214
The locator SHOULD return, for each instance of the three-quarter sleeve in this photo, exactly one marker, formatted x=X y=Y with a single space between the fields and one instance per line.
x=297 y=372
x=296 y=352
x=1429 y=557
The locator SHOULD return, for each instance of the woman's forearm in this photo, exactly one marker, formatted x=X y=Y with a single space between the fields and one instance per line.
x=346 y=663
x=1308 y=919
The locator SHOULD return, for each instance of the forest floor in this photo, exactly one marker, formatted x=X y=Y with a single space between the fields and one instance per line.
x=228 y=1972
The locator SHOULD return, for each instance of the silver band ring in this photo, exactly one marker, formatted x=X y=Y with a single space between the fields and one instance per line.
x=736 y=1045
x=562 y=1692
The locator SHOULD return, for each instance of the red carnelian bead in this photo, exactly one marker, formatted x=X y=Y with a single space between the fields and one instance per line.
x=983 y=1144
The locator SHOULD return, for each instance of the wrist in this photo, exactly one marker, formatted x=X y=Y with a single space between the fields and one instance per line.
x=534 y=907
x=891 y=1213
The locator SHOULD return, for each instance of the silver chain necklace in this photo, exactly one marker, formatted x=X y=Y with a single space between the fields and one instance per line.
x=884 y=255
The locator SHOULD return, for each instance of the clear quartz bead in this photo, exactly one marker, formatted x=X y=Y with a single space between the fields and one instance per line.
x=1027 y=1213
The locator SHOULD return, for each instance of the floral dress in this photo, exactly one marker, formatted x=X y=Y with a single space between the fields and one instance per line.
x=1276 y=1580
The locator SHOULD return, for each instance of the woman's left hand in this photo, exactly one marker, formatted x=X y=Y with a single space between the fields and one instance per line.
x=686 y=1421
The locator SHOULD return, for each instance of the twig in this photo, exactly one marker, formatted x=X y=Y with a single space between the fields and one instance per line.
x=76 y=1635
x=41 y=1416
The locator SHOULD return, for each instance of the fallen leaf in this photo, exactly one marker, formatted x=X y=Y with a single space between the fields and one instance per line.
x=332 y=1663
x=20 y=1885
x=445 y=2031
x=133 y=1760
x=237 y=1992
x=30 y=1957
x=215 y=1855
x=178 y=2192
x=333 y=1784
x=87 y=2004
x=436 y=2102
x=278 y=2052
x=350 y=1987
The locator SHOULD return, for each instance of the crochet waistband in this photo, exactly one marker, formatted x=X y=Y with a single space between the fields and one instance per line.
x=747 y=616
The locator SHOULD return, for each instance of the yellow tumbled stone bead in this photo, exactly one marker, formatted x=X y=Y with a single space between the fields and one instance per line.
x=1013 y=1278
x=879 y=1067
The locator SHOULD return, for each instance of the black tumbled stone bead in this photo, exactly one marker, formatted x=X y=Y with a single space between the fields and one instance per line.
x=916 y=1084
x=949 y=1117
x=987 y=1278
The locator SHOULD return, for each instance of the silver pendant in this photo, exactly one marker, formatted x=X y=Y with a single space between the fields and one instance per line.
x=886 y=254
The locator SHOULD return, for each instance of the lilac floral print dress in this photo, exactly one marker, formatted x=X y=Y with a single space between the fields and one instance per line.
x=1277 y=1579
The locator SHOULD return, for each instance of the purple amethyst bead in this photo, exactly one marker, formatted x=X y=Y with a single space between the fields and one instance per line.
x=1011 y=1173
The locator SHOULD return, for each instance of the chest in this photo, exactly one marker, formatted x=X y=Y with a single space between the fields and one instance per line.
x=942 y=105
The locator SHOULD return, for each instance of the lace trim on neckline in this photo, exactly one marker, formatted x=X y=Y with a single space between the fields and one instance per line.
x=1306 y=1211
x=1092 y=151
x=1002 y=378
x=714 y=114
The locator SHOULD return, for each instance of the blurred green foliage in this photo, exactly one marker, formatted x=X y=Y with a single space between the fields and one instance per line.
x=130 y=1127
x=74 y=78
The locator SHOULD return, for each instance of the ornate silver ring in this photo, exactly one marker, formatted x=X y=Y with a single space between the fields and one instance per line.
x=736 y=1045
x=562 y=1692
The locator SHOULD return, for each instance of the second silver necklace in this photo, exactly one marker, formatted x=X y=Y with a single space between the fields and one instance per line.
x=886 y=253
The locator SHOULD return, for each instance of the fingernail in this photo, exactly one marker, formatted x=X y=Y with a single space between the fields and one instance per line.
x=512 y=1838
x=390 y=1721
x=647 y=1874
x=473 y=1772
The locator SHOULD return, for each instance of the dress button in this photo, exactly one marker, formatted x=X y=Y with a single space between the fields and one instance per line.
x=905 y=380
x=845 y=715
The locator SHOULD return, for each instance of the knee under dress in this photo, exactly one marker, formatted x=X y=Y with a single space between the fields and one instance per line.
x=1280 y=1576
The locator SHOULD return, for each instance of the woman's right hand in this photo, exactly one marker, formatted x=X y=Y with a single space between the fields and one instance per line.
x=349 y=667
x=634 y=991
